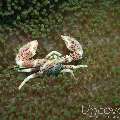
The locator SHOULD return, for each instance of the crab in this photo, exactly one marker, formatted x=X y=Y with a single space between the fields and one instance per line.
x=52 y=64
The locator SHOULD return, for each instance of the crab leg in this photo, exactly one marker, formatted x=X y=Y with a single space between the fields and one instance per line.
x=73 y=66
x=34 y=75
x=27 y=70
x=69 y=71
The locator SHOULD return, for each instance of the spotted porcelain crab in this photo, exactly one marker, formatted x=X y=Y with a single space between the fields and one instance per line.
x=52 y=64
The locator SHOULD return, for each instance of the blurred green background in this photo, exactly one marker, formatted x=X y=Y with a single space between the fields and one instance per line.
x=94 y=23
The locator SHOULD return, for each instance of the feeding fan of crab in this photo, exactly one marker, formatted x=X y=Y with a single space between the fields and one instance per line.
x=52 y=64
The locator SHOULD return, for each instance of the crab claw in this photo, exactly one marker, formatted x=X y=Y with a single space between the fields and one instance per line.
x=26 y=52
x=72 y=44
x=65 y=38
x=29 y=50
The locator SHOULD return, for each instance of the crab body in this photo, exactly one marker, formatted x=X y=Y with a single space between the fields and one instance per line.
x=54 y=70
